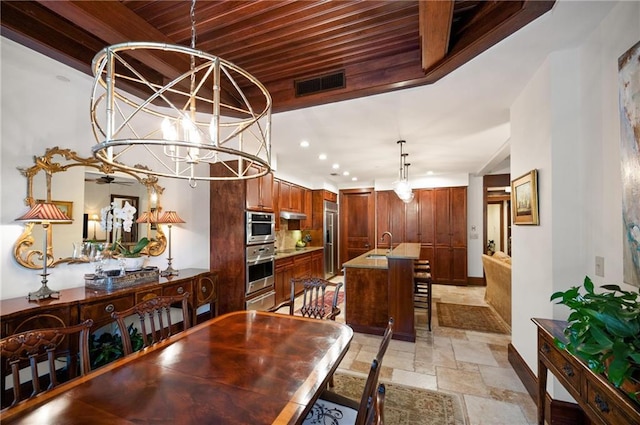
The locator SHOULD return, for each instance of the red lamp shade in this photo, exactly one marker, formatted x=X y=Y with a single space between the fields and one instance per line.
x=170 y=217
x=44 y=213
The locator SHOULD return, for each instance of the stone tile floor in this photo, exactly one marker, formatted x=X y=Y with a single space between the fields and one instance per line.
x=471 y=364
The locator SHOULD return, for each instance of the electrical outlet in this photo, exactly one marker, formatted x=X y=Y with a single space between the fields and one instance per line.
x=599 y=266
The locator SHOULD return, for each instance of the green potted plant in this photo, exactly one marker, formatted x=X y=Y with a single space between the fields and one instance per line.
x=604 y=330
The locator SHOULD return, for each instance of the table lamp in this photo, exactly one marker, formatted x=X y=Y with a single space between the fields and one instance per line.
x=45 y=214
x=169 y=218
x=95 y=218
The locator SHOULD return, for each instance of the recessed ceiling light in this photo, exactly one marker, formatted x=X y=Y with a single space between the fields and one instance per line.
x=429 y=173
x=345 y=173
x=304 y=144
x=322 y=156
x=336 y=166
x=354 y=179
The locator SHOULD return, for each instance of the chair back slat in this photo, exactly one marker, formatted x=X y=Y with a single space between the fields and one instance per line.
x=151 y=311
x=369 y=397
x=33 y=346
x=315 y=302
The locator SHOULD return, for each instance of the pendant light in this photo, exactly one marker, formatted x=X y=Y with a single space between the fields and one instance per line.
x=401 y=187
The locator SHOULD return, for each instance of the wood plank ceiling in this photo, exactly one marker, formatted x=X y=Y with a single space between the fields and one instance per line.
x=379 y=45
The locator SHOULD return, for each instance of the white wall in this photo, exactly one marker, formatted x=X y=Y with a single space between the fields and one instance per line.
x=565 y=124
x=39 y=113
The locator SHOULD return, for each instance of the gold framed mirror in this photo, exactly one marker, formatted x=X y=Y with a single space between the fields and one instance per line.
x=62 y=171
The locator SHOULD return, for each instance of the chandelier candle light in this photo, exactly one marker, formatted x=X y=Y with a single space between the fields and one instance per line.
x=45 y=214
x=210 y=112
x=169 y=218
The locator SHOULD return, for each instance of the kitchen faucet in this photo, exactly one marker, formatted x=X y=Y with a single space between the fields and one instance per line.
x=390 y=239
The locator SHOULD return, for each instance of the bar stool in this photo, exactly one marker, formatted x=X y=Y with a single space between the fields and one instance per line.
x=422 y=285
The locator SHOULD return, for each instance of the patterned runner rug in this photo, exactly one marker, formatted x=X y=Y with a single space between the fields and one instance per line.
x=328 y=298
x=407 y=405
x=470 y=317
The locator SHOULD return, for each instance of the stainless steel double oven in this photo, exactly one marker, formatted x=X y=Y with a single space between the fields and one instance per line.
x=260 y=261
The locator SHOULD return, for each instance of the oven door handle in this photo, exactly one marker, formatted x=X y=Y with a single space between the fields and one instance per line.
x=259 y=260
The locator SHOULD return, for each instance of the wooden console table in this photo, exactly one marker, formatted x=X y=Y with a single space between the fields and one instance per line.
x=598 y=398
x=78 y=304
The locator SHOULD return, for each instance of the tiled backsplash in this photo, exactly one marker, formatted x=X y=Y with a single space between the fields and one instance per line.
x=286 y=239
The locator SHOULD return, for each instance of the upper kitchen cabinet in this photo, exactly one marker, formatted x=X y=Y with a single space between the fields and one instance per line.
x=290 y=197
x=307 y=209
x=450 y=248
x=259 y=191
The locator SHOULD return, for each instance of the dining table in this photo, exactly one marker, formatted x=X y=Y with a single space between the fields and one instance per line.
x=244 y=367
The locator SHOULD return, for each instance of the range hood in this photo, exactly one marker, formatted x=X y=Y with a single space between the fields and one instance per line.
x=290 y=215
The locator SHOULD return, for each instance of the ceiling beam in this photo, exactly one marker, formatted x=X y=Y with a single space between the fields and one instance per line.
x=435 y=30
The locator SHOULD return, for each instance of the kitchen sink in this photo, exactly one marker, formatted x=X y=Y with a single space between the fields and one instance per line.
x=376 y=256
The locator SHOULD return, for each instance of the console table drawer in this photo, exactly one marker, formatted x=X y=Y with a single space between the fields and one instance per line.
x=606 y=407
x=564 y=366
x=100 y=312
x=178 y=289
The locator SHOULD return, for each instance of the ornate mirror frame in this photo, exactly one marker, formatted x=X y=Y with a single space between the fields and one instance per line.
x=31 y=258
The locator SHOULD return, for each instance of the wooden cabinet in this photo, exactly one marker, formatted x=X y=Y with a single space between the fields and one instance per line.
x=437 y=219
x=290 y=196
x=317 y=263
x=259 y=191
x=78 y=304
x=317 y=208
x=283 y=274
x=598 y=398
x=450 y=244
x=298 y=266
x=307 y=209
x=395 y=216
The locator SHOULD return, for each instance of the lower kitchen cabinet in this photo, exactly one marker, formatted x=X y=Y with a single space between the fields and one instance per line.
x=298 y=266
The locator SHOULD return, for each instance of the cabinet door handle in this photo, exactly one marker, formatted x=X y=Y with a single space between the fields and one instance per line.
x=568 y=370
x=602 y=405
x=545 y=348
x=109 y=308
x=180 y=290
x=203 y=289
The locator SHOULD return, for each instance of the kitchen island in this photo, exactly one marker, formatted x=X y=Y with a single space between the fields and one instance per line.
x=379 y=285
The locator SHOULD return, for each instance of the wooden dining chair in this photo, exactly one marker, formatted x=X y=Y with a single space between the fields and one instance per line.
x=29 y=349
x=317 y=302
x=155 y=312
x=337 y=409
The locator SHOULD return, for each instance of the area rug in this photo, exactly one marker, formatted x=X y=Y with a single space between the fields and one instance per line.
x=407 y=405
x=328 y=298
x=469 y=317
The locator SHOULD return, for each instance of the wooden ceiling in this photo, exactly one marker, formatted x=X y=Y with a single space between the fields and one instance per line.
x=379 y=45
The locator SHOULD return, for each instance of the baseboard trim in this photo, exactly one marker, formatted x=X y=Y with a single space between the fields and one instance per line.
x=556 y=412
x=476 y=281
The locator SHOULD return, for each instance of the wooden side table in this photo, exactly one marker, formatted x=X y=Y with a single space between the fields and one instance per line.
x=598 y=398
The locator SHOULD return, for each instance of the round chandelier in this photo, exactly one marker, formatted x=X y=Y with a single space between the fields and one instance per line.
x=211 y=111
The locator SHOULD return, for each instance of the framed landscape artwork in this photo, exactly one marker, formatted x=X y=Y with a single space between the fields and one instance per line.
x=629 y=94
x=524 y=199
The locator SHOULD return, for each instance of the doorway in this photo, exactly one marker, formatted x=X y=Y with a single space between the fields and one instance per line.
x=497 y=212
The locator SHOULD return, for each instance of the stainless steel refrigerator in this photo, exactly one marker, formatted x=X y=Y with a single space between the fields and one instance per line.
x=330 y=232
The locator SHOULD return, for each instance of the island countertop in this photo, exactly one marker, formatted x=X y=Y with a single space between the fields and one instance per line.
x=380 y=256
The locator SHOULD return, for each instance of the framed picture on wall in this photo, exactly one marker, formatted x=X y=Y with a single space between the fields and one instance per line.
x=524 y=199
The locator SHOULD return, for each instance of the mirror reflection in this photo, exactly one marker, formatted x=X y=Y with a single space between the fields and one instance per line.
x=81 y=187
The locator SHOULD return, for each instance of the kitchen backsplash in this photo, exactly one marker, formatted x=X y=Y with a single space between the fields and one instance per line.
x=286 y=239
